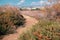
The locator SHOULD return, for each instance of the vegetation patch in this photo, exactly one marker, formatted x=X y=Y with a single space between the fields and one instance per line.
x=43 y=30
x=10 y=19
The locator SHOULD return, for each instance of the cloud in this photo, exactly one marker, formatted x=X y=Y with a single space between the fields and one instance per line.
x=20 y=2
x=41 y=3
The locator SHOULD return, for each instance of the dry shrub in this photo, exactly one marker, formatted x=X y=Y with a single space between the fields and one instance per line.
x=53 y=12
x=10 y=18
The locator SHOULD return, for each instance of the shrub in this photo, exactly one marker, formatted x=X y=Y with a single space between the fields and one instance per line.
x=10 y=18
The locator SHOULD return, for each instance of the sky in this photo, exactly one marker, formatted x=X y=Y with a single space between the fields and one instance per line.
x=25 y=2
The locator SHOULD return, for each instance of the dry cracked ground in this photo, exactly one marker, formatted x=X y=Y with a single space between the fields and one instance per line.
x=29 y=22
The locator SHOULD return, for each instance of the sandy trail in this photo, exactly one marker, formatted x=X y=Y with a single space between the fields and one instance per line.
x=29 y=22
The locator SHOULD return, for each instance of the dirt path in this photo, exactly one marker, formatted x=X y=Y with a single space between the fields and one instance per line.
x=29 y=22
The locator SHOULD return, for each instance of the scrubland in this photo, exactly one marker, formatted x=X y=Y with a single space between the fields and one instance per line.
x=47 y=28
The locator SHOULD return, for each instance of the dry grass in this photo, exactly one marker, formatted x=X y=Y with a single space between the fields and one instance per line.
x=43 y=30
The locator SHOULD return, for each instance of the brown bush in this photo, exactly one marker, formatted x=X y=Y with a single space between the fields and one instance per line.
x=10 y=18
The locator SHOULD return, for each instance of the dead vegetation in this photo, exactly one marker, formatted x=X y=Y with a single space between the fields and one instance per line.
x=10 y=19
x=43 y=30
